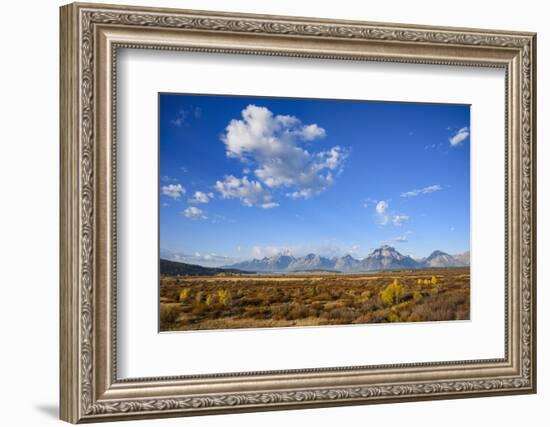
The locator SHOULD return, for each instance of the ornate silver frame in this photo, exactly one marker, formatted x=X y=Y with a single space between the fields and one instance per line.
x=90 y=36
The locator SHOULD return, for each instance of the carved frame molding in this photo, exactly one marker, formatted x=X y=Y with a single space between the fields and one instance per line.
x=90 y=37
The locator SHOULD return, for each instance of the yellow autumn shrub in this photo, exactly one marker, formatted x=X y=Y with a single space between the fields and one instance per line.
x=224 y=296
x=184 y=294
x=392 y=293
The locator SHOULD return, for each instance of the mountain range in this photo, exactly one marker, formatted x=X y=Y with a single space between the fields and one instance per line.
x=383 y=258
x=175 y=268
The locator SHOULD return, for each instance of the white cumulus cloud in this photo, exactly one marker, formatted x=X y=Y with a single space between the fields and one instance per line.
x=425 y=190
x=384 y=217
x=270 y=145
x=326 y=249
x=180 y=118
x=311 y=132
x=201 y=197
x=269 y=251
x=399 y=219
x=460 y=136
x=306 y=193
x=249 y=192
x=193 y=212
x=207 y=260
x=270 y=205
x=173 y=191
x=381 y=208
x=184 y=114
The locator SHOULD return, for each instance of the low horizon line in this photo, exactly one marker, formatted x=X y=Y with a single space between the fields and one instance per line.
x=231 y=260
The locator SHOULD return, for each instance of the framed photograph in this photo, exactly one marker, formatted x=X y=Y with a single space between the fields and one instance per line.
x=269 y=190
x=266 y=212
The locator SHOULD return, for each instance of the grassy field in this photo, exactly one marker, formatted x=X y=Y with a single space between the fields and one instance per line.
x=260 y=301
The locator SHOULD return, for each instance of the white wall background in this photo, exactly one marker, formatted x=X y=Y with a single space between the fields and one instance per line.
x=29 y=170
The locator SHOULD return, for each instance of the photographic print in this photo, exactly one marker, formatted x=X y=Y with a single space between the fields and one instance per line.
x=280 y=212
x=312 y=186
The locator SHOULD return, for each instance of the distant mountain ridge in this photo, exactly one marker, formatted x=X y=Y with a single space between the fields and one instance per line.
x=175 y=268
x=383 y=258
x=387 y=258
x=441 y=259
x=463 y=258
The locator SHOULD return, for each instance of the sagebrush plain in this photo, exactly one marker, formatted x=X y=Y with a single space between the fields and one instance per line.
x=259 y=301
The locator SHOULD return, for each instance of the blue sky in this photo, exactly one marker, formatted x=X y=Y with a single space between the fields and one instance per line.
x=245 y=177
